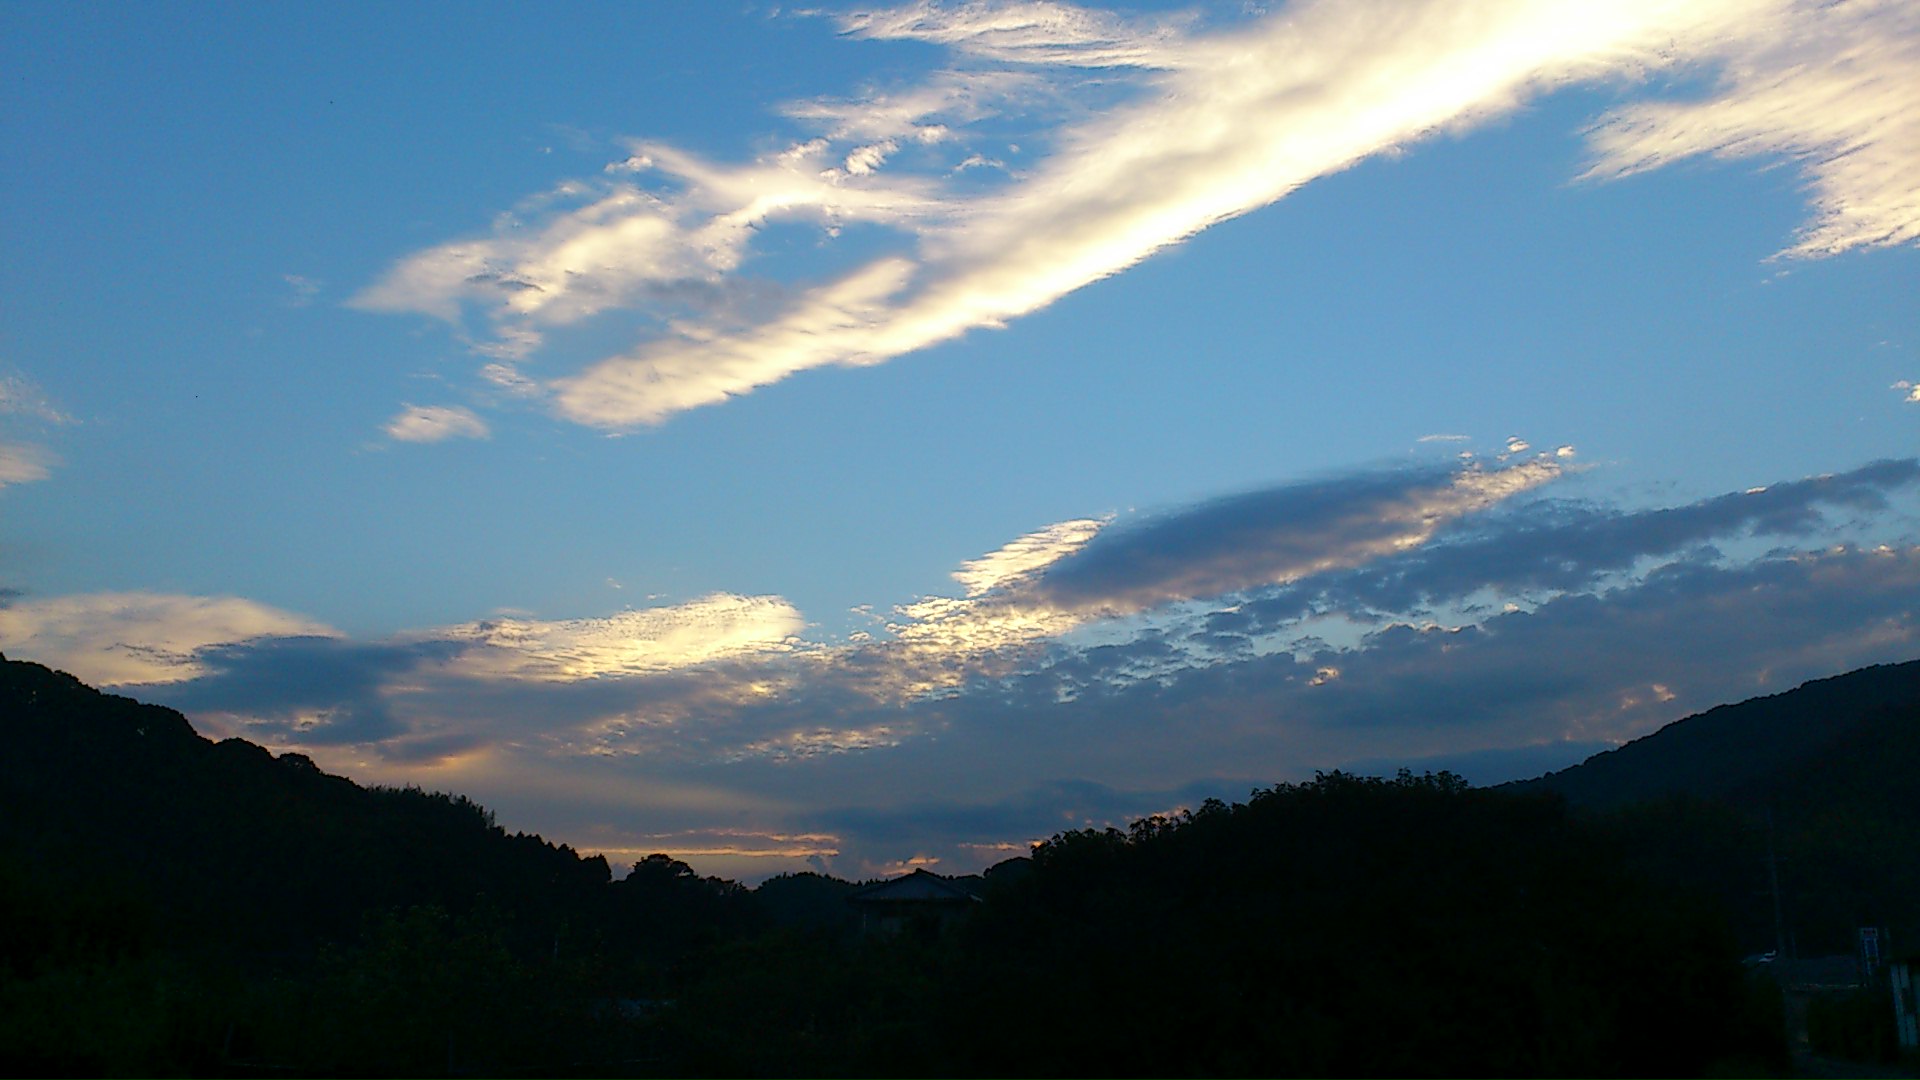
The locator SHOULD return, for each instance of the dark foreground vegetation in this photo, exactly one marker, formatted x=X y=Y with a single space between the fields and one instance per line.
x=170 y=906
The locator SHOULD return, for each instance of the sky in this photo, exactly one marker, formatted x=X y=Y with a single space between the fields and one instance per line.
x=856 y=438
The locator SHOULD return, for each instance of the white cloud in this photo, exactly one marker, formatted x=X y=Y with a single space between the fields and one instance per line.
x=621 y=242
x=1910 y=390
x=1258 y=114
x=926 y=113
x=121 y=639
x=940 y=643
x=20 y=397
x=704 y=367
x=302 y=289
x=23 y=463
x=1828 y=85
x=866 y=159
x=510 y=343
x=1025 y=32
x=634 y=642
x=433 y=423
x=1209 y=126
x=629 y=247
x=509 y=378
x=1029 y=553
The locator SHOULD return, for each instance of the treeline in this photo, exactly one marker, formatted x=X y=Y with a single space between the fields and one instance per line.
x=171 y=906
x=1344 y=927
x=1357 y=926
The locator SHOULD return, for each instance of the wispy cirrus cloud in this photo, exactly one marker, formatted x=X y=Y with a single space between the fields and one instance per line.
x=300 y=290
x=1028 y=32
x=1263 y=112
x=626 y=246
x=20 y=396
x=22 y=400
x=1184 y=128
x=1826 y=86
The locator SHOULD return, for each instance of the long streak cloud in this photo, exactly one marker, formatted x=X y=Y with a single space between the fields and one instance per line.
x=1217 y=124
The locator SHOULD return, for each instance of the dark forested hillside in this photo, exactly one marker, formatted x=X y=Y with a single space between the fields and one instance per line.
x=1368 y=927
x=1815 y=791
x=227 y=842
x=1861 y=730
x=174 y=905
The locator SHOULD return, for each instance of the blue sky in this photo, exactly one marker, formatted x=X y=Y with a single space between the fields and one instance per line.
x=861 y=437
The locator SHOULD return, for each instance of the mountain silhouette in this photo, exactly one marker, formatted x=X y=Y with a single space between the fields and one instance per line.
x=209 y=907
x=1858 y=731
x=1798 y=813
x=224 y=841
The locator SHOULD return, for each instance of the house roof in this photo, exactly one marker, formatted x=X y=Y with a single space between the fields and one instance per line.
x=1818 y=972
x=919 y=887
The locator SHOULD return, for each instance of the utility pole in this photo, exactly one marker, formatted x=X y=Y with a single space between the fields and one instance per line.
x=1773 y=880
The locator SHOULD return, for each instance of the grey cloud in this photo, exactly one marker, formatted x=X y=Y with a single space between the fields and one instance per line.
x=825 y=701
x=431 y=749
x=1561 y=546
x=1585 y=666
x=1108 y=733
x=1012 y=760
x=1579 y=669
x=1228 y=544
x=315 y=690
x=1228 y=622
x=1087 y=734
x=684 y=718
x=504 y=281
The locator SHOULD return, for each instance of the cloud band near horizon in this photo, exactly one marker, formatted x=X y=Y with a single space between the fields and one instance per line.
x=1406 y=612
